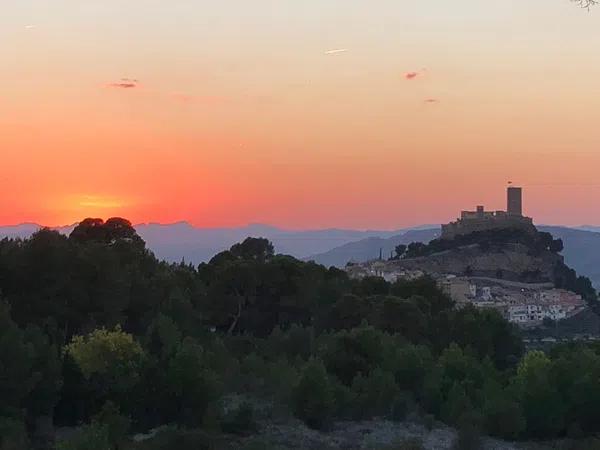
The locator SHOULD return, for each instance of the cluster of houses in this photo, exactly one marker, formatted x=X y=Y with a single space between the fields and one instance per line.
x=521 y=303
x=525 y=304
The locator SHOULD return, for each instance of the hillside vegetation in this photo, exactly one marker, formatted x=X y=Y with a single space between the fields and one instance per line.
x=101 y=340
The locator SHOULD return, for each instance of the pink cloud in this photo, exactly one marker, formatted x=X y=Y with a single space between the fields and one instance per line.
x=431 y=100
x=411 y=75
x=125 y=83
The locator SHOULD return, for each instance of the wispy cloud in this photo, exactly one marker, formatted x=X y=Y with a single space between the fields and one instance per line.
x=30 y=27
x=125 y=83
x=336 y=51
x=411 y=75
x=432 y=100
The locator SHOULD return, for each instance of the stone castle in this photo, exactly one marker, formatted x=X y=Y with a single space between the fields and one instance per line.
x=482 y=220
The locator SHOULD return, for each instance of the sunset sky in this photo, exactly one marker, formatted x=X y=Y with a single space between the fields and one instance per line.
x=297 y=113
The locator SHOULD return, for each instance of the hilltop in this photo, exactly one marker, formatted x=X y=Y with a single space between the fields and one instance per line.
x=581 y=249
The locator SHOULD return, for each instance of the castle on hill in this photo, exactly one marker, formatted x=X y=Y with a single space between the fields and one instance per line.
x=482 y=220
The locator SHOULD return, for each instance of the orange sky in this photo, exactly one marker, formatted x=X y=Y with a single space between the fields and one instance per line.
x=239 y=114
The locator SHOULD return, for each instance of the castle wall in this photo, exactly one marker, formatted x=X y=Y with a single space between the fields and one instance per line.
x=491 y=222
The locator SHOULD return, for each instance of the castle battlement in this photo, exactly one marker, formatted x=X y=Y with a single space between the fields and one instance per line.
x=482 y=220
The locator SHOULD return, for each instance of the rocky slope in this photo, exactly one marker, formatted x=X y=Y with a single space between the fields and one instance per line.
x=513 y=262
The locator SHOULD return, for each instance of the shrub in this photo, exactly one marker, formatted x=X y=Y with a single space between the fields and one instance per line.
x=313 y=399
x=173 y=438
x=13 y=435
x=504 y=417
x=240 y=421
x=89 y=437
x=192 y=385
x=358 y=351
x=375 y=394
x=469 y=436
x=402 y=405
x=117 y=425
x=429 y=421
x=281 y=376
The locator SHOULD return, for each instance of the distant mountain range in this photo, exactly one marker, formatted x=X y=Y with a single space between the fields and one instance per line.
x=330 y=247
x=174 y=242
x=367 y=249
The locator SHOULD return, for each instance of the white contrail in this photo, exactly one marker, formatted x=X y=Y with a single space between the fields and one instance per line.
x=29 y=27
x=335 y=51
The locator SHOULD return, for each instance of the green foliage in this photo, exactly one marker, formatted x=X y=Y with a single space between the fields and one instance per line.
x=468 y=438
x=537 y=242
x=241 y=420
x=374 y=394
x=17 y=359
x=180 y=439
x=259 y=249
x=47 y=365
x=503 y=415
x=113 y=356
x=13 y=435
x=193 y=386
x=542 y=405
x=346 y=313
x=116 y=425
x=488 y=334
x=313 y=399
x=149 y=343
x=411 y=364
x=88 y=437
x=347 y=354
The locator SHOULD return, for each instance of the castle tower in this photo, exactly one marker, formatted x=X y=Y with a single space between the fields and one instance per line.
x=514 y=203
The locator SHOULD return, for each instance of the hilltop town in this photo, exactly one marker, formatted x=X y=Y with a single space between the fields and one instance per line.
x=490 y=259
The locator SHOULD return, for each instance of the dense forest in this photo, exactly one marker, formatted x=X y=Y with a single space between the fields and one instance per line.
x=99 y=338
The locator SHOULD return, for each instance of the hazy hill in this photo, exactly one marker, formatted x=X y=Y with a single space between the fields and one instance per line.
x=581 y=252
x=367 y=249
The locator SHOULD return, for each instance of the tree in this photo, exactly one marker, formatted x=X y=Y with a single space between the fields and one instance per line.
x=111 y=363
x=231 y=292
x=88 y=437
x=349 y=353
x=347 y=313
x=400 y=250
x=190 y=383
x=410 y=365
x=396 y=315
x=374 y=394
x=90 y=229
x=502 y=413
x=543 y=407
x=17 y=357
x=257 y=249
x=113 y=230
x=313 y=399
